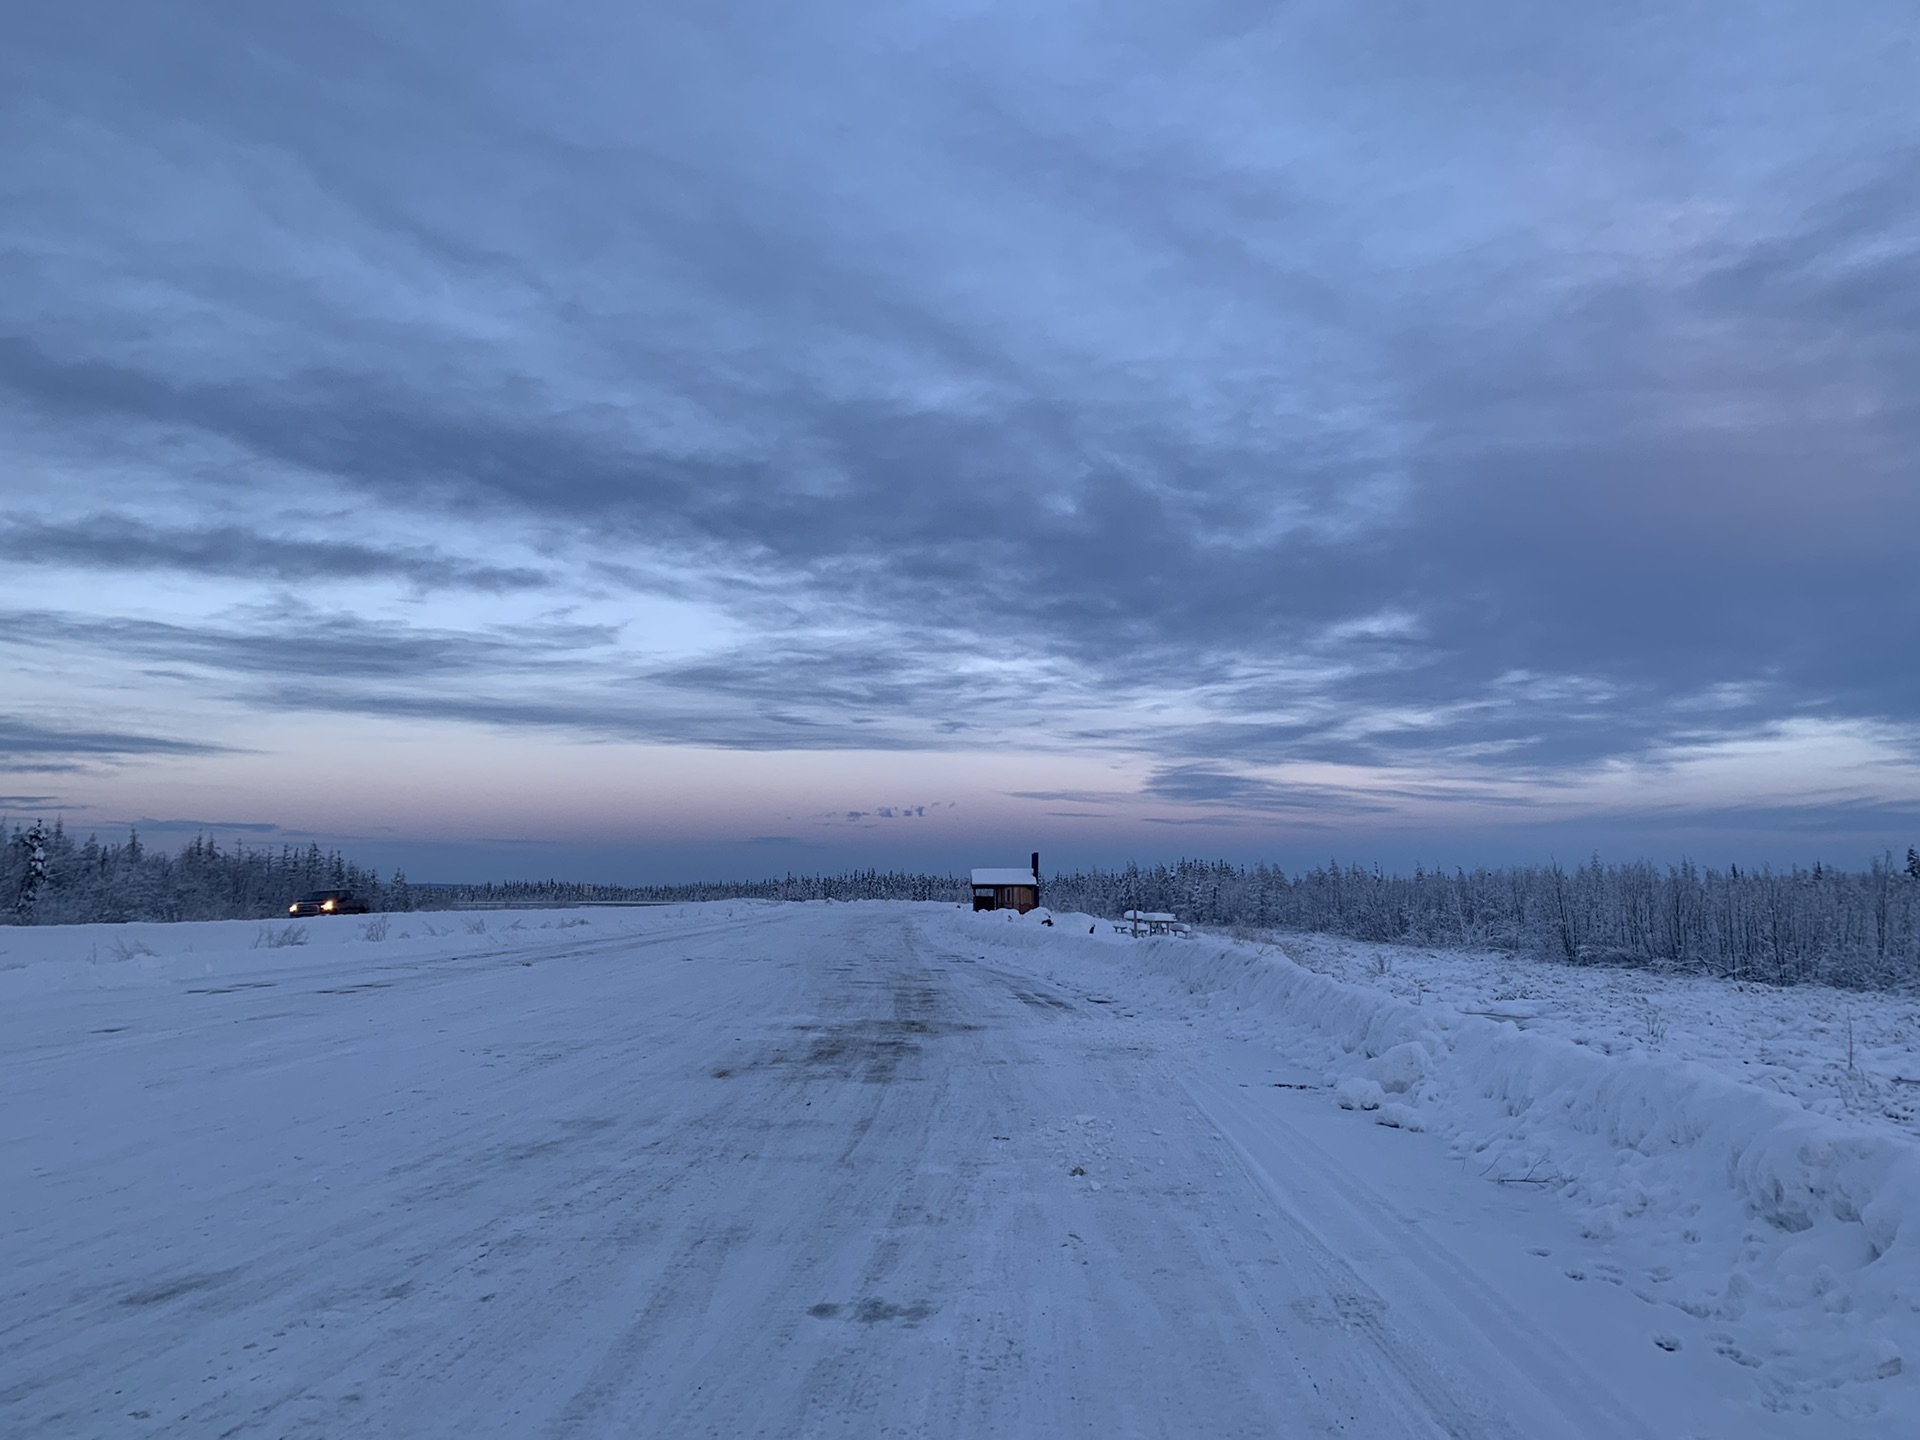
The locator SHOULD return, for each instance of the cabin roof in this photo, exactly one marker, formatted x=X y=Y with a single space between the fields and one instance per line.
x=1004 y=877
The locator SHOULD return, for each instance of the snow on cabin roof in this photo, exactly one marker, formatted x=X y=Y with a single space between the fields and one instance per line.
x=1004 y=877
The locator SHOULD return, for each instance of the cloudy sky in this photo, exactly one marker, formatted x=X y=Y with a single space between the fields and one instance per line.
x=649 y=440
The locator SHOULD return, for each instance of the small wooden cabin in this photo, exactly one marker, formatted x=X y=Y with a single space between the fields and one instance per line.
x=1007 y=889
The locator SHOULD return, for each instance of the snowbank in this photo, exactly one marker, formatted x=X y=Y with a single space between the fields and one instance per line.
x=1798 y=1233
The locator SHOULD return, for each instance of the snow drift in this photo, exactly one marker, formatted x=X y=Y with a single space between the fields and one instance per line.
x=1798 y=1232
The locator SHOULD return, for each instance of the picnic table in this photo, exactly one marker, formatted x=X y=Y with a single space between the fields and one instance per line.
x=1151 y=922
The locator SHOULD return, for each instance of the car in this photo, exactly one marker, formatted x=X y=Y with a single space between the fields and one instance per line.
x=329 y=902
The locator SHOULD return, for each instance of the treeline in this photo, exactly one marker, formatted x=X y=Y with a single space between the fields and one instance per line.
x=48 y=878
x=1851 y=928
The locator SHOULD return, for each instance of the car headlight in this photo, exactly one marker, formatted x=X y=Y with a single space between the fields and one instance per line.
x=326 y=905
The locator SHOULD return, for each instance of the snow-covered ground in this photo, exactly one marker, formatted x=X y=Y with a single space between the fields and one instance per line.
x=808 y=1170
x=1838 y=1052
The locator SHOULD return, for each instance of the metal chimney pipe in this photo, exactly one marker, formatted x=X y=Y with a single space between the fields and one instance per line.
x=1036 y=867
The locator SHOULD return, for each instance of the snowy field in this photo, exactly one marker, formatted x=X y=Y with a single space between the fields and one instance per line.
x=872 y=1169
x=1838 y=1052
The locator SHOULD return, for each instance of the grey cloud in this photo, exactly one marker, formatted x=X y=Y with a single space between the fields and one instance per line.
x=251 y=827
x=1204 y=784
x=1223 y=822
x=1169 y=397
x=561 y=677
x=298 y=641
x=589 y=714
x=34 y=745
x=114 y=542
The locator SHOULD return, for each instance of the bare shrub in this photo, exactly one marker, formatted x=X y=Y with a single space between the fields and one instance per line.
x=1653 y=1024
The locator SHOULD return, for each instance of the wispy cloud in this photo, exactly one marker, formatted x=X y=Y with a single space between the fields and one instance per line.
x=116 y=542
x=1208 y=785
x=35 y=746
x=248 y=827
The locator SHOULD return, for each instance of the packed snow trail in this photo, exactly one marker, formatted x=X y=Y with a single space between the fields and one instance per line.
x=837 y=1170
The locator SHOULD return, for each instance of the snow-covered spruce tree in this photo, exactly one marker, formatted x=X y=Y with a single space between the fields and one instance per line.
x=34 y=872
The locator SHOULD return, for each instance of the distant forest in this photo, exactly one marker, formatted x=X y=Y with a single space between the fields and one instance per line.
x=1841 y=927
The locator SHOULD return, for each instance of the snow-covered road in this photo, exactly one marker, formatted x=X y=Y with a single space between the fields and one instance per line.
x=747 y=1170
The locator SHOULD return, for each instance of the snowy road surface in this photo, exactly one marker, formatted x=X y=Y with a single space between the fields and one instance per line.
x=853 y=1170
